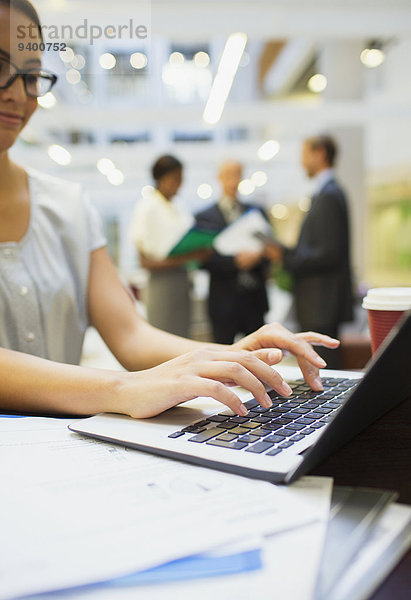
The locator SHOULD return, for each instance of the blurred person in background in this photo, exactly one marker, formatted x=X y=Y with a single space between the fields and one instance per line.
x=320 y=262
x=156 y=218
x=237 y=299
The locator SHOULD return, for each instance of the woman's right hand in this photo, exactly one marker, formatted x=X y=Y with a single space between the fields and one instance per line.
x=203 y=372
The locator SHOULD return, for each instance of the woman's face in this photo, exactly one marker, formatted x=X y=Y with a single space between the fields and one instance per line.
x=16 y=107
x=170 y=184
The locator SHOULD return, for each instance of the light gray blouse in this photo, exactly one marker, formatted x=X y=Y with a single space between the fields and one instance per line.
x=44 y=276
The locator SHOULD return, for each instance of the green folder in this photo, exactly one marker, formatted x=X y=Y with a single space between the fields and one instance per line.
x=194 y=239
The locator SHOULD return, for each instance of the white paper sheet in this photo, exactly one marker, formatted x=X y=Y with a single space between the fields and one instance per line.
x=291 y=561
x=76 y=510
x=240 y=235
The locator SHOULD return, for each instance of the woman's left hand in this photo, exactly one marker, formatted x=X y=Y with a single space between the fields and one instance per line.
x=274 y=335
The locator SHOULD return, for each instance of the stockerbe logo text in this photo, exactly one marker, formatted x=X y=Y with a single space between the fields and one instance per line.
x=85 y=31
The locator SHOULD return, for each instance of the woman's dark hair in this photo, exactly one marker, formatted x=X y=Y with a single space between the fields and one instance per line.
x=27 y=9
x=164 y=165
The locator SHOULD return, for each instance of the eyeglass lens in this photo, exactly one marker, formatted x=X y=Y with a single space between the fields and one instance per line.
x=36 y=84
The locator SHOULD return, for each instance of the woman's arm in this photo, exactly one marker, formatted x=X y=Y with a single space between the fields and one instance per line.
x=37 y=385
x=172 y=262
x=137 y=345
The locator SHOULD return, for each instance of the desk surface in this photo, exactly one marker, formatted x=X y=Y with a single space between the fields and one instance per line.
x=380 y=456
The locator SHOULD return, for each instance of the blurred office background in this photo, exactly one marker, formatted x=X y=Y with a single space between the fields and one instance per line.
x=308 y=66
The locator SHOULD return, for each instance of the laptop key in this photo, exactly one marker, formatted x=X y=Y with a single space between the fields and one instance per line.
x=298 y=437
x=296 y=426
x=275 y=438
x=305 y=421
x=251 y=425
x=239 y=430
x=262 y=419
x=232 y=445
x=193 y=429
x=238 y=420
x=259 y=447
x=219 y=418
x=308 y=430
x=259 y=432
x=286 y=432
x=227 y=425
x=318 y=425
x=248 y=439
x=280 y=421
x=286 y=444
x=227 y=437
x=251 y=403
x=206 y=435
x=271 y=426
x=177 y=434
x=273 y=452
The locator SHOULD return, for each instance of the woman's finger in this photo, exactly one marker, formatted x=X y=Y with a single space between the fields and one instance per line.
x=257 y=367
x=234 y=372
x=221 y=393
x=311 y=375
x=269 y=356
x=319 y=339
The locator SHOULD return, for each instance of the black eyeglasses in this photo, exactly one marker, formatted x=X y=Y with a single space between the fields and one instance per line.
x=37 y=82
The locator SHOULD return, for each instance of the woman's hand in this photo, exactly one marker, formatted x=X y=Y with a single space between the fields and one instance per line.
x=203 y=372
x=276 y=336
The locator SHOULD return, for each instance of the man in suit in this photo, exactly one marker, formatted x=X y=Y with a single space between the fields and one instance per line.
x=237 y=298
x=320 y=262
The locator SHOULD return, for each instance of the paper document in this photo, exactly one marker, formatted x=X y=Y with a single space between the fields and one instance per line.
x=241 y=235
x=78 y=511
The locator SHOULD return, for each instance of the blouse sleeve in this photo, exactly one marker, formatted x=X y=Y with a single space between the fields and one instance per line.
x=96 y=236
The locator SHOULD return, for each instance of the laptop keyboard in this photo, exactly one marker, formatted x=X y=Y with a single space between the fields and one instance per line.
x=270 y=430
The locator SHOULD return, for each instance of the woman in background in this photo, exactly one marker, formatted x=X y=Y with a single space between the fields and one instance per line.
x=157 y=226
x=56 y=278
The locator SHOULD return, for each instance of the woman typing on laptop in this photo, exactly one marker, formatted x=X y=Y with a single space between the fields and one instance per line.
x=56 y=278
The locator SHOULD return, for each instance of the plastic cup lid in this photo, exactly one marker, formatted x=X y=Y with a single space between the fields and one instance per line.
x=395 y=298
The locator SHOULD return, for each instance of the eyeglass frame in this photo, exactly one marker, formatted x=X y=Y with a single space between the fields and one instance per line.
x=24 y=73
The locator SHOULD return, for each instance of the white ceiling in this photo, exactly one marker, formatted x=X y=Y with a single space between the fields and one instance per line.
x=261 y=19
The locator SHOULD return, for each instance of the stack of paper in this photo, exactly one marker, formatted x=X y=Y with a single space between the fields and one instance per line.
x=87 y=520
x=76 y=511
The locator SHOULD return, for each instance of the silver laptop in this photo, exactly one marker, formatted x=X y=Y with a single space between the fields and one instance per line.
x=277 y=444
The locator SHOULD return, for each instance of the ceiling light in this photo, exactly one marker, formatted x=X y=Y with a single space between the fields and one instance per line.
x=105 y=166
x=204 y=191
x=78 y=62
x=372 y=57
x=279 y=211
x=60 y=155
x=115 y=177
x=176 y=58
x=259 y=178
x=47 y=101
x=224 y=78
x=138 y=60
x=73 y=76
x=246 y=187
x=268 y=150
x=67 y=55
x=107 y=61
x=201 y=60
x=317 y=83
